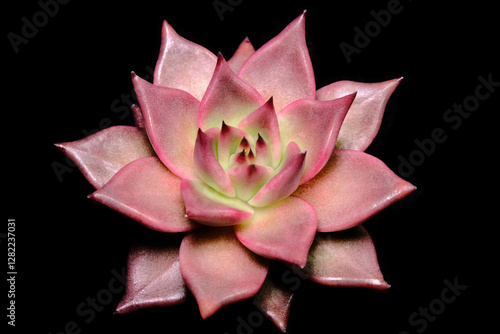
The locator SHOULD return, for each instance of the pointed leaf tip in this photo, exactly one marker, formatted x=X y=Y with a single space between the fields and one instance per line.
x=352 y=179
x=346 y=259
x=363 y=120
x=218 y=269
x=314 y=126
x=153 y=276
x=286 y=57
x=227 y=98
x=244 y=143
x=102 y=154
x=207 y=165
x=183 y=64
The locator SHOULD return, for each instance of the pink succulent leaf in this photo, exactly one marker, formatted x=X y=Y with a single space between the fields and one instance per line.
x=228 y=98
x=352 y=187
x=218 y=269
x=263 y=152
x=170 y=119
x=274 y=300
x=282 y=231
x=208 y=167
x=229 y=139
x=138 y=118
x=314 y=126
x=345 y=259
x=363 y=120
x=101 y=155
x=148 y=192
x=282 y=67
x=183 y=64
x=283 y=184
x=248 y=179
x=209 y=207
x=244 y=51
x=264 y=122
x=153 y=276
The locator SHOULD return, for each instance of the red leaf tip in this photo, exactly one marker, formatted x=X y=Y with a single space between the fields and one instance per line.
x=244 y=143
x=224 y=128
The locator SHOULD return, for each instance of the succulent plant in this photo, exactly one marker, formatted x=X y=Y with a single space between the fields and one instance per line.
x=250 y=164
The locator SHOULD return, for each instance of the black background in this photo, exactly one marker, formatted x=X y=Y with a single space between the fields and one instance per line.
x=64 y=81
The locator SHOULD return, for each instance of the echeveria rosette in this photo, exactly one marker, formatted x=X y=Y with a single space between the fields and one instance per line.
x=246 y=161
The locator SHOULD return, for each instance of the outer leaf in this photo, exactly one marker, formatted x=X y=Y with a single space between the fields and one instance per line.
x=228 y=98
x=101 y=155
x=346 y=259
x=209 y=207
x=170 y=119
x=352 y=187
x=183 y=64
x=153 y=276
x=363 y=120
x=275 y=301
x=218 y=269
x=314 y=126
x=244 y=51
x=282 y=68
x=145 y=190
x=283 y=231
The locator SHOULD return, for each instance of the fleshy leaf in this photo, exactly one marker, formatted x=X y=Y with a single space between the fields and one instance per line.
x=153 y=276
x=275 y=300
x=352 y=187
x=263 y=153
x=183 y=64
x=101 y=155
x=208 y=167
x=209 y=207
x=264 y=122
x=283 y=184
x=248 y=179
x=282 y=231
x=170 y=119
x=281 y=68
x=244 y=51
x=314 y=126
x=345 y=259
x=228 y=98
x=145 y=190
x=363 y=120
x=218 y=269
